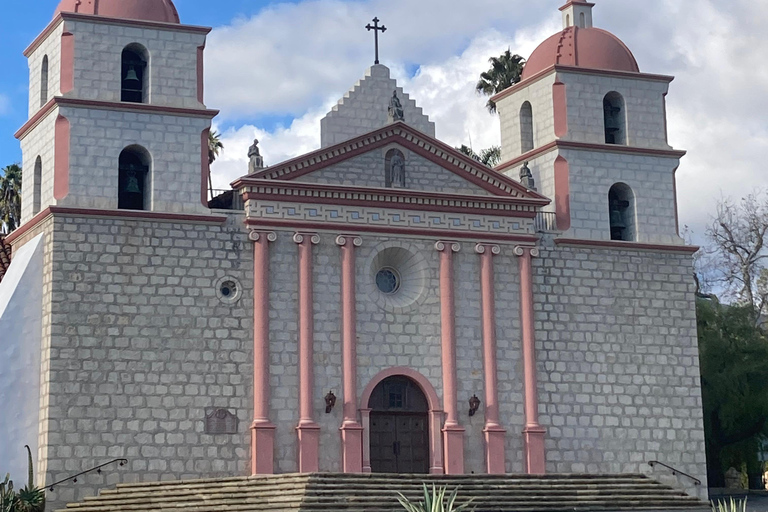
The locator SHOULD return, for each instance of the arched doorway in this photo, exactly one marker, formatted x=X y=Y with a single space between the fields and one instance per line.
x=399 y=427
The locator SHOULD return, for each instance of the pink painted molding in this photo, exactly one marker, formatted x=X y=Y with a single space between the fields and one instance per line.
x=453 y=433
x=629 y=246
x=201 y=74
x=262 y=429
x=362 y=228
x=174 y=27
x=308 y=430
x=495 y=457
x=560 y=104
x=535 y=459
x=61 y=158
x=562 y=194
x=205 y=167
x=436 y=465
x=351 y=430
x=109 y=105
x=67 y=68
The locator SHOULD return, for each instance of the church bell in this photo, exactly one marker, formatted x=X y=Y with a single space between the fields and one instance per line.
x=131 y=78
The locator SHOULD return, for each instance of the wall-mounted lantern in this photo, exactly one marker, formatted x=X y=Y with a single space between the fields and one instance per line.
x=330 y=402
x=474 y=405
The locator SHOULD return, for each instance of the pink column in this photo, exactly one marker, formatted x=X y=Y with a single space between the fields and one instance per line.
x=494 y=434
x=308 y=430
x=453 y=433
x=351 y=430
x=262 y=430
x=533 y=432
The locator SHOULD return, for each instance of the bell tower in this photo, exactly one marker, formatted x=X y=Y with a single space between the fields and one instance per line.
x=116 y=112
x=593 y=130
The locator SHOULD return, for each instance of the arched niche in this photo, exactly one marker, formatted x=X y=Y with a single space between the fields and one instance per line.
x=615 y=118
x=526 y=127
x=134 y=183
x=134 y=74
x=44 y=81
x=621 y=208
x=395 y=176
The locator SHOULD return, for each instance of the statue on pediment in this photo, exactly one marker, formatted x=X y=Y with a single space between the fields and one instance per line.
x=396 y=112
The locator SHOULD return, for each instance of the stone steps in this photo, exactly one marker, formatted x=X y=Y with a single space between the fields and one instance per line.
x=377 y=493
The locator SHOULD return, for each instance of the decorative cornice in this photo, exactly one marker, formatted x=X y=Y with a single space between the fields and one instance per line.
x=482 y=248
x=628 y=246
x=342 y=240
x=441 y=246
x=312 y=238
x=174 y=27
x=410 y=138
x=143 y=108
x=255 y=235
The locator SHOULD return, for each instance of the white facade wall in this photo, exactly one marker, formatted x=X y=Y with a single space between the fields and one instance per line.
x=542 y=168
x=369 y=170
x=365 y=108
x=172 y=63
x=52 y=48
x=651 y=179
x=539 y=94
x=174 y=142
x=38 y=142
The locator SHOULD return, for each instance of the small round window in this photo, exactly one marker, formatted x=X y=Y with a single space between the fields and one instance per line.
x=229 y=290
x=388 y=281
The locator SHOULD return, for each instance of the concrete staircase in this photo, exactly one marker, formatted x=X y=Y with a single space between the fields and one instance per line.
x=377 y=493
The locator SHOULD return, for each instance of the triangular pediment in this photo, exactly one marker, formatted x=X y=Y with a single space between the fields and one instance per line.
x=431 y=167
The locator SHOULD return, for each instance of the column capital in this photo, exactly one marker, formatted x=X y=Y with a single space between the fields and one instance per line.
x=255 y=236
x=355 y=240
x=481 y=248
x=300 y=238
x=520 y=251
x=446 y=245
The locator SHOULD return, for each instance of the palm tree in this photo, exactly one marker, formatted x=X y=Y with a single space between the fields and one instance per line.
x=489 y=157
x=214 y=148
x=10 y=198
x=505 y=72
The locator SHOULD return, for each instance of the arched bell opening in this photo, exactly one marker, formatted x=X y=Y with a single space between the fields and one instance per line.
x=526 y=127
x=621 y=205
x=134 y=179
x=615 y=119
x=134 y=75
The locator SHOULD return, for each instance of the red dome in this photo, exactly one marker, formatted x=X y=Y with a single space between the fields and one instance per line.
x=147 y=10
x=582 y=47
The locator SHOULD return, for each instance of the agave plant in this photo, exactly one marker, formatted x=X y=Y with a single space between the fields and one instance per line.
x=31 y=498
x=435 y=501
x=729 y=506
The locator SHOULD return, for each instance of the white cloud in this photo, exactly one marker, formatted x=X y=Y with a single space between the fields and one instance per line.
x=5 y=104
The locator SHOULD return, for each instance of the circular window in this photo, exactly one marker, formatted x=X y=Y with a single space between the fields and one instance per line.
x=388 y=281
x=228 y=290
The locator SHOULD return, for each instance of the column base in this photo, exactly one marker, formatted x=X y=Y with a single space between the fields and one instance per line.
x=309 y=447
x=453 y=439
x=351 y=448
x=535 y=460
x=495 y=458
x=262 y=448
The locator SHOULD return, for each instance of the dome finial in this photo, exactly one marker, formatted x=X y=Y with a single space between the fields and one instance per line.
x=577 y=13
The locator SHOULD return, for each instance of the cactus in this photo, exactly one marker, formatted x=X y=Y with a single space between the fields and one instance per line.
x=8 y=498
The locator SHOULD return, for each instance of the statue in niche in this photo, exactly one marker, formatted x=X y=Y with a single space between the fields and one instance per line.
x=395 y=175
x=526 y=177
x=396 y=112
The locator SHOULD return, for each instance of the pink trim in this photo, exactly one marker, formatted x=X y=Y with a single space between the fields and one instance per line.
x=674 y=191
x=201 y=74
x=116 y=106
x=452 y=431
x=664 y=107
x=308 y=430
x=562 y=194
x=262 y=429
x=205 y=166
x=436 y=466
x=61 y=158
x=351 y=430
x=43 y=36
x=534 y=456
x=494 y=435
x=67 y=79
x=362 y=228
x=629 y=246
x=559 y=99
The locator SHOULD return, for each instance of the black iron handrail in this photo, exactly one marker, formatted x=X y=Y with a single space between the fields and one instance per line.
x=97 y=469
x=675 y=471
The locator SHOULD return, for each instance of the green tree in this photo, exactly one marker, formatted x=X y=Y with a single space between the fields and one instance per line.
x=214 y=148
x=506 y=70
x=29 y=499
x=733 y=355
x=489 y=157
x=10 y=198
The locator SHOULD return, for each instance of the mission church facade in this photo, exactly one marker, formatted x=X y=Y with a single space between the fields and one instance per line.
x=383 y=304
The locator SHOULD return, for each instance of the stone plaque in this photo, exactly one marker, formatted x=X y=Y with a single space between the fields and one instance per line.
x=220 y=421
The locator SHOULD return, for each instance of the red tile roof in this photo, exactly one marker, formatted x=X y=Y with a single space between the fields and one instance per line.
x=5 y=257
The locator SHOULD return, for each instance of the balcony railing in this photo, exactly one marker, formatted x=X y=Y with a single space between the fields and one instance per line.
x=546 y=222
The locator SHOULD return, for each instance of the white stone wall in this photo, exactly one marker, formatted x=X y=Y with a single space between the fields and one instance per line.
x=21 y=301
x=364 y=109
x=172 y=62
x=369 y=170
x=99 y=136
x=542 y=168
x=618 y=361
x=52 y=48
x=539 y=94
x=39 y=142
x=141 y=346
x=652 y=180
x=644 y=109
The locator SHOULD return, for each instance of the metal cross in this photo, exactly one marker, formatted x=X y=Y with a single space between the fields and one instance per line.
x=376 y=29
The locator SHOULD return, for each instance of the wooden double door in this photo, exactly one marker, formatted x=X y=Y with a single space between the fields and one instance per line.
x=399 y=428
